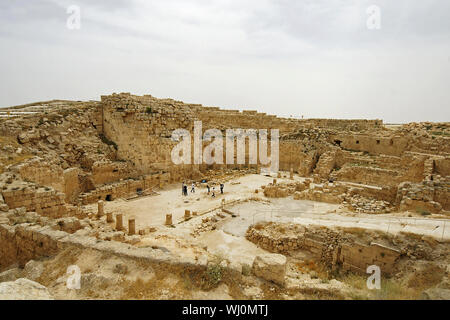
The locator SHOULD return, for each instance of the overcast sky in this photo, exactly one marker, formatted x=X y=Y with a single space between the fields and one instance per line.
x=314 y=58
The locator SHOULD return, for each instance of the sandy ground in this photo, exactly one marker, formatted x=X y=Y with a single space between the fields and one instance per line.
x=228 y=240
x=152 y=210
x=276 y=210
x=234 y=248
x=317 y=213
x=116 y=277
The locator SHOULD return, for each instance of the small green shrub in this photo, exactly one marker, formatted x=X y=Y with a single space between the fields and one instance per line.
x=440 y=133
x=214 y=274
x=423 y=212
x=246 y=269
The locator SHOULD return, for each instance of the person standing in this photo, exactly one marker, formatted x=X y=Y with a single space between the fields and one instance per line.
x=185 y=190
x=208 y=187
x=221 y=188
x=193 y=188
x=182 y=189
x=214 y=192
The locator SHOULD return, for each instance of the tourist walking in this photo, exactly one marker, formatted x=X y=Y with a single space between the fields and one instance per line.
x=208 y=187
x=193 y=188
x=221 y=188
x=185 y=190
x=214 y=192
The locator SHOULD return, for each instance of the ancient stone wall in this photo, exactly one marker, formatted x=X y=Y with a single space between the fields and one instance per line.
x=289 y=157
x=141 y=127
x=113 y=191
x=442 y=166
x=22 y=243
x=347 y=124
x=429 y=195
x=326 y=245
x=126 y=188
x=326 y=164
x=43 y=173
x=381 y=193
x=45 y=201
x=394 y=146
x=368 y=175
x=308 y=162
x=357 y=257
x=106 y=172
x=72 y=185
x=368 y=199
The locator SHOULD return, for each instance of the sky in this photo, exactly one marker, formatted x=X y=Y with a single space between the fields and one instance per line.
x=311 y=58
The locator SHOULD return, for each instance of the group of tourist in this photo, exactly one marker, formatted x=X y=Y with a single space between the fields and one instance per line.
x=213 y=193
x=184 y=189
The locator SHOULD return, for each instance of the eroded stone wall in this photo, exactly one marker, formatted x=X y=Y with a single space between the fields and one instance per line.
x=328 y=246
x=45 y=201
x=22 y=243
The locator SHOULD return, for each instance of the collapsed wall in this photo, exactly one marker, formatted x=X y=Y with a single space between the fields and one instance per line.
x=429 y=195
x=334 y=249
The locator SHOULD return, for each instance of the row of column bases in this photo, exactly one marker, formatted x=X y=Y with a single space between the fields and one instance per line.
x=187 y=215
x=291 y=176
x=119 y=219
x=132 y=221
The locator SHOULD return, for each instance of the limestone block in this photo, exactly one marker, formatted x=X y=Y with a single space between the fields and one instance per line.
x=271 y=267
x=23 y=289
x=33 y=270
x=436 y=294
x=10 y=275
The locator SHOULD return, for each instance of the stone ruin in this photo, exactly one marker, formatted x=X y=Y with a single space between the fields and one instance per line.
x=60 y=158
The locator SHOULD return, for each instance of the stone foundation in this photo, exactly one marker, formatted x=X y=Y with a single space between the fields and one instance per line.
x=326 y=245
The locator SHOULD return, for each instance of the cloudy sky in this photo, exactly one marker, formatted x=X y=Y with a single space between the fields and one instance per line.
x=314 y=58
